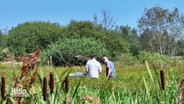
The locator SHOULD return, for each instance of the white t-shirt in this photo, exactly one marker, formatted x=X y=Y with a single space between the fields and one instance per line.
x=94 y=67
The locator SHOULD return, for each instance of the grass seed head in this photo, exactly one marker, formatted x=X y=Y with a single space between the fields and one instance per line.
x=45 y=88
x=66 y=84
x=3 y=87
x=162 y=79
x=51 y=82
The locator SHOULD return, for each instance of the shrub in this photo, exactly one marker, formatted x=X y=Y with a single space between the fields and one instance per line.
x=113 y=42
x=2 y=53
x=153 y=58
x=65 y=51
x=29 y=36
x=127 y=59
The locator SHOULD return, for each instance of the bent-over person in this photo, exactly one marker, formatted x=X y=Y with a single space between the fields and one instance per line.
x=110 y=68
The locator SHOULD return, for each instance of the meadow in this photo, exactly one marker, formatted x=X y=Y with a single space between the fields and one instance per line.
x=135 y=84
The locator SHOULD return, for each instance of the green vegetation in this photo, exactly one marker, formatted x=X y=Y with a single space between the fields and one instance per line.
x=160 y=31
x=30 y=36
x=65 y=51
x=139 y=57
x=134 y=84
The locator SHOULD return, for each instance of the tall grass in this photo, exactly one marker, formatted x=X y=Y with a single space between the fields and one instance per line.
x=140 y=84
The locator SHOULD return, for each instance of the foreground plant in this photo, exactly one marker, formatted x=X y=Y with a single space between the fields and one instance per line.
x=3 y=87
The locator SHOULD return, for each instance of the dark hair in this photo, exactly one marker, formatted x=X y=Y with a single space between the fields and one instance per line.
x=93 y=56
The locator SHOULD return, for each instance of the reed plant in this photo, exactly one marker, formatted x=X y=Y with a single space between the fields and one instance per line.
x=140 y=84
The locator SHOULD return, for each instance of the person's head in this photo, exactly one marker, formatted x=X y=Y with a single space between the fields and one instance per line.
x=105 y=59
x=93 y=57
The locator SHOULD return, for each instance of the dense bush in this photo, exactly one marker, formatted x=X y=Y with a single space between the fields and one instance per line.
x=2 y=54
x=113 y=42
x=30 y=36
x=3 y=40
x=154 y=58
x=127 y=59
x=65 y=51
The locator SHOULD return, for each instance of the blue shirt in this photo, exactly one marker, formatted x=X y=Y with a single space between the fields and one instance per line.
x=110 y=64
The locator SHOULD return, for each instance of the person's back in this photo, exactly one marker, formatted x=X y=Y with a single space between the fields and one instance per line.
x=93 y=68
x=113 y=71
x=110 y=68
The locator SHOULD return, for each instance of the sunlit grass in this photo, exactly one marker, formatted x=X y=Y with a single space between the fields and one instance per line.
x=133 y=85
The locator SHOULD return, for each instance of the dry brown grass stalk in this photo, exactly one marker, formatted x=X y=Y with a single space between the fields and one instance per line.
x=90 y=99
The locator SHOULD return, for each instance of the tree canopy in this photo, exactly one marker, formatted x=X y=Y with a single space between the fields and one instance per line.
x=161 y=28
x=29 y=36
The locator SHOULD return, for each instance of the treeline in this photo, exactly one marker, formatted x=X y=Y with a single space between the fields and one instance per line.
x=159 y=31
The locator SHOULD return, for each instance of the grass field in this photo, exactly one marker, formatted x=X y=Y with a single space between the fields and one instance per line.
x=138 y=84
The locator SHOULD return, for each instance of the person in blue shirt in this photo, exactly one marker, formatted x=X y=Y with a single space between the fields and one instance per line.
x=110 y=68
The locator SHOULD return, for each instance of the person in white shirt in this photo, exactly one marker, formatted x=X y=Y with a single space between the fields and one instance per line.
x=93 y=67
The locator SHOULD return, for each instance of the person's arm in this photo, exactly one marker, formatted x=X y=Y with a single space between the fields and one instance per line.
x=100 y=69
x=86 y=70
x=109 y=72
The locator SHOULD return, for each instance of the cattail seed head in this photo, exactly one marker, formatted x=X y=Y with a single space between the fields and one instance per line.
x=66 y=84
x=45 y=88
x=3 y=87
x=162 y=79
x=51 y=82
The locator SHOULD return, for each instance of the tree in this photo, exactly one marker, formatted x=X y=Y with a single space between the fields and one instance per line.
x=3 y=41
x=66 y=51
x=180 y=48
x=161 y=28
x=29 y=36
x=131 y=37
x=87 y=29
x=108 y=22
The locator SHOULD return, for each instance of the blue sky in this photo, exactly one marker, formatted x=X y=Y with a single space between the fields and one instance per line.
x=126 y=12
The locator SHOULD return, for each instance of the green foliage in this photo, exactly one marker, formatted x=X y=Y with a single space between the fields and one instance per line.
x=3 y=40
x=134 y=84
x=28 y=37
x=127 y=59
x=180 y=48
x=2 y=54
x=130 y=36
x=160 y=29
x=65 y=51
x=113 y=43
x=154 y=58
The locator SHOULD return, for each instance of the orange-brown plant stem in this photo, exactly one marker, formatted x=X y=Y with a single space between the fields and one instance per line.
x=14 y=81
x=10 y=101
x=162 y=79
x=51 y=82
x=3 y=87
x=66 y=84
x=33 y=78
x=45 y=88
